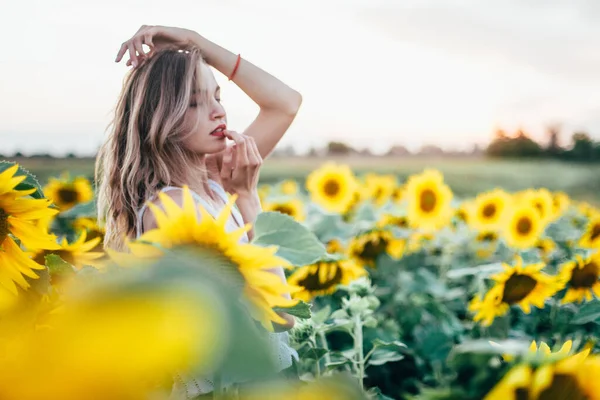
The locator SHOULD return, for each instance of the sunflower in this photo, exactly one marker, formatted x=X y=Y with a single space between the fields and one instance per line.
x=332 y=187
x=365 y=248
x=322 y=278
x=546 y=246
x=488 y=242
x=561 y=203
x=180 y=227
x=523 y=226
x=463 y=211
x=289 y=187
x=428 y=200
x=335 y=246
x=398 y=221
x=581 y=277
x=66 y=193
x=397 y=195
x=379 y=188
x=418 y=240
x=263 y=192
x=79 y=253
x=543 y=349
x=488 y=210
x=19 y=218
x=516 y=285
x=591 y=237
x=293 y=207
x=573 y=378
x=542 y=200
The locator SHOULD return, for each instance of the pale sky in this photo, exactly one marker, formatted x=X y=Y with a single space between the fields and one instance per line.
x=371 y=72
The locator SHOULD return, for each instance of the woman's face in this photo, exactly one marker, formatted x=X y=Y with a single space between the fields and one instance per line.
x=208 y=137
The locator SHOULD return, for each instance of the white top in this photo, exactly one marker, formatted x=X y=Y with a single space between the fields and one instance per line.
x=191 y=387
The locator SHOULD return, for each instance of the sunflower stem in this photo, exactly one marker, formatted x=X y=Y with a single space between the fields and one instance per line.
x=358 y=347
x=325 y=346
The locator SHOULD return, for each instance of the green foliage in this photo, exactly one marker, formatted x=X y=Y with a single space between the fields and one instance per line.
x=295 y=242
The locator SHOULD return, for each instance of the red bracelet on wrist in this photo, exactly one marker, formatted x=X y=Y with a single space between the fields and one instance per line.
x=235 y=68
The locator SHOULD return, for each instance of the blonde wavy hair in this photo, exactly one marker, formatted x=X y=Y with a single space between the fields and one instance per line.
x=145 y=148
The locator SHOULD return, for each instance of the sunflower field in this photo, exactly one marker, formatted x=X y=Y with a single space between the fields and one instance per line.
x=400 y=290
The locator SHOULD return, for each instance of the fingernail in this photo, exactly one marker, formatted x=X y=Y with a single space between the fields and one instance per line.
x=134 y=64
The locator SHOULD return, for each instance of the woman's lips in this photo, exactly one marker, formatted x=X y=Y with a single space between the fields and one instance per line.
x=219 y=134
x=219 y=131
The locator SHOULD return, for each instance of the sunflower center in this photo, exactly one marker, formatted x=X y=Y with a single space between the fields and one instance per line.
x=584 y=277
x=524 y=226
x=563 y=387
x=517 y=287
x=488 y=237
x=373 y=248
x=284 y=210
x=378 y=193
x=3 y=225
x=312 y=283
x=66 y=256
x=595 y=232
x=428 y=200
x=67 y=196
x=489 y=210
x=401 y=222
x=331 y=187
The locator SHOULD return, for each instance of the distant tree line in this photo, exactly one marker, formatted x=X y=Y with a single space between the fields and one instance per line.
x=520 y=145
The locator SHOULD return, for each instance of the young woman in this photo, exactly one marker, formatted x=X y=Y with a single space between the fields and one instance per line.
x=170 y=130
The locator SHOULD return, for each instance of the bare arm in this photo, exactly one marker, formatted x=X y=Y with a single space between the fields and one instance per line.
x=278 y=102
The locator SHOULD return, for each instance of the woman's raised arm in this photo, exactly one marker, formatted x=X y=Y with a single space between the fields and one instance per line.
x=277 y=101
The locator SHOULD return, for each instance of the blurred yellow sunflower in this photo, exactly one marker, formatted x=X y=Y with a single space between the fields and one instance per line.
x=79 y=253
x=591 y=237
x=292 y=207
x=379 y=188
x=322 y=278
x=573 y=377
x=523 y=226
x=428 y=200
x=489 y=210
x=581 y=277
x=335 y=246
x=417 y=241
x=366 y=248
x=289 y=187
x=561 y=203
x=66 y=192
x=487 y=243
x=399 y=221
x=333 y=187
x=180 y=227
x=19 y=216
x=546 y=246
x=516 y=285
x=542 y=200
x=398 y=194
x=463 y=211
x=543 y=348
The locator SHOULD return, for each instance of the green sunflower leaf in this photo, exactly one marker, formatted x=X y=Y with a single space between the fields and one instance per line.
x=295 y=242
x=589 y=312
x=300 y=310
x=57 y=266
x=30 y=182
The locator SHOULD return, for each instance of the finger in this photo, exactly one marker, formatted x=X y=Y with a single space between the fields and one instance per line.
x=242 y=153
x=148 y=40
x=132 y=55
x=137 y=43
x=226 y=166
x=257 y=158
x=121 y=52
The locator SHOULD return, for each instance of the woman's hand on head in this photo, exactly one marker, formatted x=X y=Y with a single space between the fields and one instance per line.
x=156 y=37
x=241 y=164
